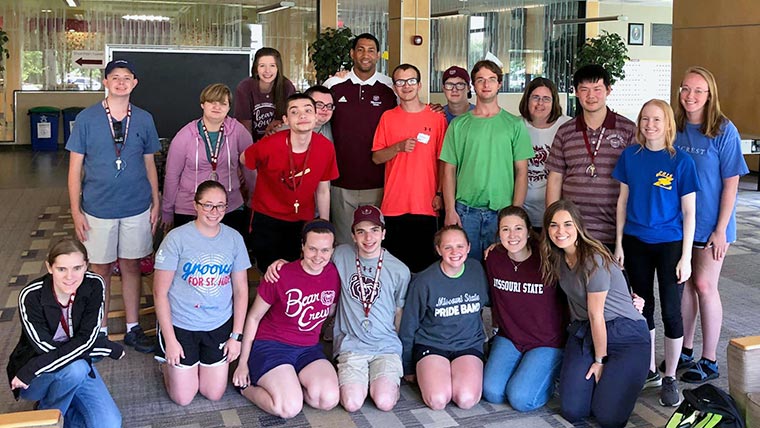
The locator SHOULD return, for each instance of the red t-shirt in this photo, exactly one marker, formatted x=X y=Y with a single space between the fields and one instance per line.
x=277 y=187
x=300 y=304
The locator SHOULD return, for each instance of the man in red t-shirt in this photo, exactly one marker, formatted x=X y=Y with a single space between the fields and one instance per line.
x=293 y=166
x=408 y=141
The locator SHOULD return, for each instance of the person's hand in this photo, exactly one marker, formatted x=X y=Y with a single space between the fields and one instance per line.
x=155 y=215
x=174 y=352
x=452 y=218
x=683 y=270
x=240 y=378
x=596 y=371
x=410 y=378
x=488 y=250
x=619 y=255
x=166 y=225
x=232 y=349
x=437 y=202
x=719 y=244
x=638 y=302
x=273 y=127
x=406 y=146
x=16 y=383
x=273 y=271
x=436 y=108
x=80 y=225
x=340 y=74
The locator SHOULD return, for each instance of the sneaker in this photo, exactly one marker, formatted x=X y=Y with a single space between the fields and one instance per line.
x=138 y=340
x=669 y=396
x=653 y=380
x=702 y=371
x=684 y=362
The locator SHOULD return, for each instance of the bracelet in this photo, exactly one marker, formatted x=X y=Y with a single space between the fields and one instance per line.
x=237 y=336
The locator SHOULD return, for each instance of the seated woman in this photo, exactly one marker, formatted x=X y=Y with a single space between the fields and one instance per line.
x=442 y=328
x=285 y=364
x=606 y=358
x=531 y=316
x=60 y=320
x=200 y=290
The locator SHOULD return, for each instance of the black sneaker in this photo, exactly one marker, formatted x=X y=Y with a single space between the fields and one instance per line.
x=669 y=396
x=684 y=362
x=653 y=380
x=137 y=339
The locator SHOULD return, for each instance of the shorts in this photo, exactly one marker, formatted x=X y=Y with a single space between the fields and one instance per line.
x=200 y=347
x=124 y=238
x=268 y=354
x=700 y=244
x=364 y=369
x=420 y=351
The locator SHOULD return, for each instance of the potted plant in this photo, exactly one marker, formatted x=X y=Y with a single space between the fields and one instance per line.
x=330 y=52
x=607 y=50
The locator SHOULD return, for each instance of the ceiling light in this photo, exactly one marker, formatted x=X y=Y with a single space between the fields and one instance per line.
x=275 y=7
x=449 y=13
x=71 y=3
x=152 y=18
x=588 y=20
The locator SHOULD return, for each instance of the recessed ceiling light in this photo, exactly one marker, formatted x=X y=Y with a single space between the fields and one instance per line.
x=152 y=18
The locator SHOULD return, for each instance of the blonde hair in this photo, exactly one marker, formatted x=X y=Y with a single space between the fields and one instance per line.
x=668 y=121
x=712 y=118
x=216 y=92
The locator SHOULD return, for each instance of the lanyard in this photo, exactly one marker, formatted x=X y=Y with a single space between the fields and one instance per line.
x=293 y=174
x=66 y=321
x=367 y=297
x=118 y=143
x=596 y=146
x=213 y=152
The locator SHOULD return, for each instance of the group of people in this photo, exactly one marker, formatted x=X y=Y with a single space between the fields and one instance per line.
x=557 y=224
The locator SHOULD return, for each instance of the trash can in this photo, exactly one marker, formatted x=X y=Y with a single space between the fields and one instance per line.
x=44 y=121
x=69 y=116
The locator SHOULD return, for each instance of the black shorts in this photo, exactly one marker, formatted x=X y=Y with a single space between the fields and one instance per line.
x=420 y=351
x=204 y=347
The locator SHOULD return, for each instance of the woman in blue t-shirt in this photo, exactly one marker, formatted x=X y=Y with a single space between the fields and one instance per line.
x=714 y=144
x=655 y=229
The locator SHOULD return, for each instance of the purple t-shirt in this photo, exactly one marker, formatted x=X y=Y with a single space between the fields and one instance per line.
x=251 y=104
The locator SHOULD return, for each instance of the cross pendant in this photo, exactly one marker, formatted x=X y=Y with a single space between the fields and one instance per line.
x=296 y=205
x=118 y=164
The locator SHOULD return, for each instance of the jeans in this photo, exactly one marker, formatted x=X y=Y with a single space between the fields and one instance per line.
x=525 y=379
x=84 y=401
x=480 y=226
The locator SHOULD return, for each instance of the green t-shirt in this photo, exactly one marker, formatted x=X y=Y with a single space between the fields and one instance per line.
x=484 y=150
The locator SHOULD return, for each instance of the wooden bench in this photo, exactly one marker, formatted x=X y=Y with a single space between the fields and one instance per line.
x=35 y=418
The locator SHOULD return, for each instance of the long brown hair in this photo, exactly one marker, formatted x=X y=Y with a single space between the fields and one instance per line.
x=66 y=246
x=712 y=118
x=669 y=123
x=586 y=246
x=278 y=86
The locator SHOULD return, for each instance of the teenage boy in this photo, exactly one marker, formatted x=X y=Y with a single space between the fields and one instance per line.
x=584 y=153
x=456 y=89
x=323 y=100
x=486 y=154
x=113 y=190
x=408 y=141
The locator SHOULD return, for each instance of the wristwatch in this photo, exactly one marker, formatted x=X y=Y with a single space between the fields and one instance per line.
x=237 y=336
x=602 y=360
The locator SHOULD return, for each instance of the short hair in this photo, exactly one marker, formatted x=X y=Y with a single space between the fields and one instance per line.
x=405 y=67
x=319 y=89
x=216 y=92
x=299 y=96
x=65 y=246
x=713 y=117
x=206 y=186
x=366 y=36
x=668 y=122
x=318 y=225
x=487 y=64
x=451 y=227
x=591 y=73
x=532 y=86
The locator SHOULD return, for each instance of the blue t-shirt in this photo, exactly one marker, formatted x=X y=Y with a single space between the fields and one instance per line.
x=200 y=296
x=656 y=182
x=104 y=194
x=716 y=159
x=450 y=116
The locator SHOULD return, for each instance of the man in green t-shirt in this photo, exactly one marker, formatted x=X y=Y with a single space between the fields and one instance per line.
x=485 y=154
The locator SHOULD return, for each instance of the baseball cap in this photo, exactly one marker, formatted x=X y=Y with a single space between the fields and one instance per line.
x=120 y=63
x=455 y=71
x=368 y=213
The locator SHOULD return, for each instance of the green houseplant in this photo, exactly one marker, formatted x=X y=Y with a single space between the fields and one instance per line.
x=330 y=52
x=4 y=52
x=607 y=50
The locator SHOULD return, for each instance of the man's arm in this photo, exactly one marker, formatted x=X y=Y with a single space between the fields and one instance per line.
x=553 y=187
x=323 y=199
x=449 y=194
x=521 y=182
x=76 y=162
x=155 y=209
x=384 y=155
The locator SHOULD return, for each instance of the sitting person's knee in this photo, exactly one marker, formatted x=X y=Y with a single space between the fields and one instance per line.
x=466 y=399
x=437 y=400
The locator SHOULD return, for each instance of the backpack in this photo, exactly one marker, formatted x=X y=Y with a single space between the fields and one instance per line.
x=706 y=407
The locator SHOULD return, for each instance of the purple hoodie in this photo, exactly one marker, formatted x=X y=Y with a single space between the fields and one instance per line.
x=187 y=166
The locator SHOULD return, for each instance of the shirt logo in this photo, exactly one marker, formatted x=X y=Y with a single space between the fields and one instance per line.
x=616 y=141
x=664 y=180
x=376 y=101
x=342 y=100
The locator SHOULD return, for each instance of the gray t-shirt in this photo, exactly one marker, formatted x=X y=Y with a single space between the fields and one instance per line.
x=618 y=302
x=350 y=333
x=200 y=296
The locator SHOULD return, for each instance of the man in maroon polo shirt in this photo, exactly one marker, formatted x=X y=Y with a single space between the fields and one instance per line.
x=361 y=97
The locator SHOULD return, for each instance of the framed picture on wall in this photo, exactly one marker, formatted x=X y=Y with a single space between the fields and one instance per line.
x=636 y=34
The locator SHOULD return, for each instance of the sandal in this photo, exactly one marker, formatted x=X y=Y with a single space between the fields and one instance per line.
x=703 y=371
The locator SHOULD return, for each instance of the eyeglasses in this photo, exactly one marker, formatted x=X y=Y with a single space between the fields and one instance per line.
x=406 y=82
x=696 y=91
x=483 y=80
x=208 y=207
x=537 y=99
x=322 y=106
x=449 y=86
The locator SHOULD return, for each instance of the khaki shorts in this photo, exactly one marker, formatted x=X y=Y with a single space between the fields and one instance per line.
x=364 y=369
x=124 y=238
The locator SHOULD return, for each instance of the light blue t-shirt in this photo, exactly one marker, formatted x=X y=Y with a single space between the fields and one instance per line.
x=104 y=194
x=450 y=116
x=656 y=182
x=716 y=159
x=200 y=296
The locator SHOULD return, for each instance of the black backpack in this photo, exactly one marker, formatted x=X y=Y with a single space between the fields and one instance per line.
x=706 y=407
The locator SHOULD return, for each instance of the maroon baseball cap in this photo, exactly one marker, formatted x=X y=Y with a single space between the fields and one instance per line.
x=368 y=213
x=455 y=71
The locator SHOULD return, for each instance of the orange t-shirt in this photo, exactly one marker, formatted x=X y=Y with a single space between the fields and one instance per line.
x=411 y=179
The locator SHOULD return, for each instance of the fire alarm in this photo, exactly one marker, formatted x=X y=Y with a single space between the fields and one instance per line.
x=417 y=40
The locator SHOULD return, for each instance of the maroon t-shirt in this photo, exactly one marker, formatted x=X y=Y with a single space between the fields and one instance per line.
x=251 y=104
x=527 y=312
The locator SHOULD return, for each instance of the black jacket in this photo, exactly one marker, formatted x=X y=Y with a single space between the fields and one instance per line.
x=36 y=352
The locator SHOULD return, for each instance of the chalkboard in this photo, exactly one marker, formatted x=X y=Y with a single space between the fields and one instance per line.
x=170 y=82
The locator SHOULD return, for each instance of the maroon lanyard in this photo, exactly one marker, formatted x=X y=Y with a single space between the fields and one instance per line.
x=367 y=297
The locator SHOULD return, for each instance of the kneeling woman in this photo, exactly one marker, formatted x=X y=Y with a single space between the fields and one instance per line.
x=200 y=290
x=285 y=365
x=606 y=358
x=442 y=328
x=60 y=320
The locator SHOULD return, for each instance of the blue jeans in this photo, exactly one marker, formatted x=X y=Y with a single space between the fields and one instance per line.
x=525 y=379
x=83 y=400
x=480 y=226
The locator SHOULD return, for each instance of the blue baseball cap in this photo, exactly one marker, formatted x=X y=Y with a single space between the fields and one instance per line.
x=120 y=63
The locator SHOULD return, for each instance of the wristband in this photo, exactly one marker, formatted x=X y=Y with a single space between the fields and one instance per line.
x=237 y=336
x=601 y=361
